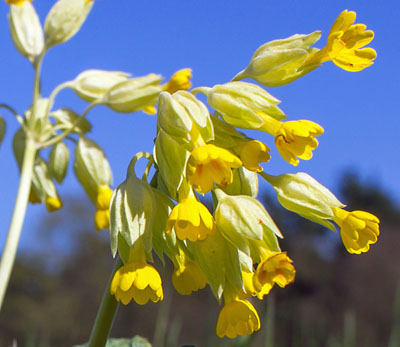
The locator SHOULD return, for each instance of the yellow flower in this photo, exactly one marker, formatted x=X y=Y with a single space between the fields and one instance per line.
x=53 y=203
x=137 y=280
x=358 y=229
x=344 y=46
x=180 y=80
x=187 y=276
x=191 y=220
x=248 y=285
x=16 y=2
x=253 y=152
x=208 y=164
x=275 y=268
x=295 y=139
x=237 y=317
x=102 y=215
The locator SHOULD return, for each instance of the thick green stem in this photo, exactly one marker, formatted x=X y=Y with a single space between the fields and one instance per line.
x=10 y=248
x=105 y=316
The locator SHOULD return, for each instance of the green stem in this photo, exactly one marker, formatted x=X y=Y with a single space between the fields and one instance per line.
x=105 y=316
x=10 y=248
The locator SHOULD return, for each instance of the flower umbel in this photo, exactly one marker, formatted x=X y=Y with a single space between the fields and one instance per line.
x=358 y=229
x=345 y=42
x=237 y=318
x=208 y=164
x=275 y=268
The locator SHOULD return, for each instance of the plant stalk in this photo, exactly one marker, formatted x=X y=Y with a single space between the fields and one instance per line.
x=17 y=220
x=106 y=314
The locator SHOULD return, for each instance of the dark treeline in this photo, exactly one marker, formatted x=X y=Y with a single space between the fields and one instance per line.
x=337 y=299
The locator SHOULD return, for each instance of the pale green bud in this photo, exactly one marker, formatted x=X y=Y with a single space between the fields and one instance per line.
x=219 y=261
x=305 y=196
x=242 y=218
x=58 y=161
x=244 y=182
x=65 y=19
x=242 y=104
x=19 y=140
x=280 y=62
x=42 y=181
x=134 y=94
x=171 y=158
x=91 y=167
x=137 y=210
x=91 y=85
x=26 y=30
x=2 y=129
x=68 y=119
x=184 y=117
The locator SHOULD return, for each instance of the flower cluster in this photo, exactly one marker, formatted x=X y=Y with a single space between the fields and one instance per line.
x=233 y=247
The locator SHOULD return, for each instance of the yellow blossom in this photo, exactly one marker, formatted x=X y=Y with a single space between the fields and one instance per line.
x=275 y=268
x=16 y=2
x=187 y=276
x=237 y=317
x=358 y=229
x=137 y=280
x=190 y=219
x=53 y=203
x=180 y=80
x=102 y=215
x=294 y=139
x=344 y=46
x=248 y=285
x=252 y=153
x=208 y=164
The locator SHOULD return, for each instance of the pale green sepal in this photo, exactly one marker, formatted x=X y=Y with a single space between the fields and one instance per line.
x=91 y=85
x=244 y=182
x=58 y=161
x=67 y=119
x=246 y=262
x=280 y=62
x=171 y=158
x=123 y=249
x=42 y=181
x=19 y=141
x=240 y=103
x=134 y=94
x=219 y=261
x=26 y=30
x=305 y=196
x=39 y=121
x=3 y=128
x=91 y=166
x=65 y=19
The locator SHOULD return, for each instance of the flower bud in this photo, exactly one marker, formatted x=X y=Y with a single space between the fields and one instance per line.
x=305 y=196
x=58 y=161
x=65 y=19
x=134 y=94
x=185 y=118
x=242 y=104
x=94 y=84
x=26 y=30
x=91 y=167
x=244 y=182
x=281 y=62
x=68 y=119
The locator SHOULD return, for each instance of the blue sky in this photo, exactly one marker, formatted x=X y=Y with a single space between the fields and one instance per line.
x=359 y=111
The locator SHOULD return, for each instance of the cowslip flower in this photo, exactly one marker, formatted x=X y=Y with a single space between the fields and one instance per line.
x=276 y=268
x=294 y=139
x=137 y=280
x=208 y=164
x=102 y=215
x=16 y=2
x=180 y=80
x=53 y=203
x=187 y=276
x=190 y=219
x=358 y=229
x=252 y=153
x=237 y=318
x=344 y=46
